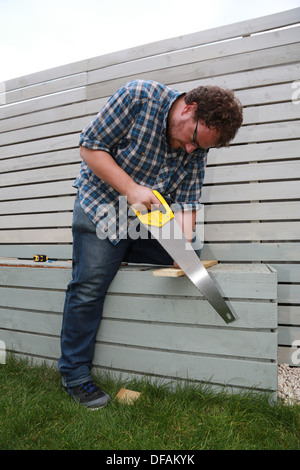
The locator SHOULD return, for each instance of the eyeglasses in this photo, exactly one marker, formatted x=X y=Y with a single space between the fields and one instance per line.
x=194 y=142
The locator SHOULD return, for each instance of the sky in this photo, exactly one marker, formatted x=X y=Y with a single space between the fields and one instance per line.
x=40 y=34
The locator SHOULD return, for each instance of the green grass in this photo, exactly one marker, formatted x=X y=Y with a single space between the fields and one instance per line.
x=36 y=414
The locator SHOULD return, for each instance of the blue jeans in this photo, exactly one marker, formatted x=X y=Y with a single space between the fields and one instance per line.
x=95 y=264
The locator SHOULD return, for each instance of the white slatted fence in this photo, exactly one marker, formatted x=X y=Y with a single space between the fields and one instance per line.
x=252 y=190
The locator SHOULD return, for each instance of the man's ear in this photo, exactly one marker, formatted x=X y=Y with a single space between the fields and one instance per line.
x=189 y=108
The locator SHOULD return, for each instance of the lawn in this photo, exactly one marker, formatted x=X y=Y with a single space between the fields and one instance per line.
x=36 y=414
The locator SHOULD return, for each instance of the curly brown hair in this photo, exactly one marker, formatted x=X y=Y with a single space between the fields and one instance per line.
x=217 y=108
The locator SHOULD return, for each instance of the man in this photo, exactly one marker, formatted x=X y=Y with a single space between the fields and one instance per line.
x=146 y=137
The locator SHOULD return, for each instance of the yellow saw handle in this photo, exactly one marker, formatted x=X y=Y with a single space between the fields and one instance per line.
x=158 y=217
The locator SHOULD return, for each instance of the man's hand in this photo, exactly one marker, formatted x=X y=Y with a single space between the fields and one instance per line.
x=141 y=197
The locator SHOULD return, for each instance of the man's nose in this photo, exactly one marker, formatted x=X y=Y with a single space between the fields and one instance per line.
x=190 y=148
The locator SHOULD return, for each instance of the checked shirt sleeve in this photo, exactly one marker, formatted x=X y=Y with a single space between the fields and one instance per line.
x=110 y=124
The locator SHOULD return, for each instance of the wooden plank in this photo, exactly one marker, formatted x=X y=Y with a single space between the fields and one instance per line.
x=54 y=114
x=287 y=272
x=46 y=88
x=268 y=132
x=127 y=397
x=249 y=192
x=169 y=364
x=67 y=126
x=288 y=355
x=263 y=151
x=242 y=373
x=43 y=102
x=59 y=172
x=271 y=113
x=48 y=204
x=174 y=272
x=189 y=311
x=55 y=235
x=44 y=313
x=252 y=231
x=234 y=281
x=39 y=146
x=55 y=251
x=41 y=160
x=281 y=210
x=287 y=336
x=36 y=221
x=289 y=315
x=39 y=321
x=246 y=344
x=288 y=293
x=38 y=190
x=253 y=172
x=268 y=94
x=248 y=79
x=248 y=252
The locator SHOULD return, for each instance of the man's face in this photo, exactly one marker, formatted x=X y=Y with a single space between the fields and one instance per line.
x=186 y=133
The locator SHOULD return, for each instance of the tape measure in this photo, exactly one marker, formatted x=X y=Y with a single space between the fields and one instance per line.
x=40 y=258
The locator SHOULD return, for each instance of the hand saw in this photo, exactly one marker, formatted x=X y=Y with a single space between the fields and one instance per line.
x=163 y=226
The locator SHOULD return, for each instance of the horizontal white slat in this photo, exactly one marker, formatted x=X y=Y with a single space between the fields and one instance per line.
x=254 y=152
x=46 y=88
x=33 y=221
x=44 y=131
x=248 y=252
x=38 y=118
x=56 y=173
x=280 y=190
x=254 y=211
x=27 y=251
x=43 y=102
x=169 y=337
x=287 y=335
x=40 y=160
x=268 y=132
x=48 y=204
x=271 y=113
x=289 y=315
x=36 y=236
x=252 y=231
x=267 y=94
x=253 y=172
x=248 y=81
x=288 y=355
x=37 y=146
x=288 y=293
x=287 y=272
x=58 y=188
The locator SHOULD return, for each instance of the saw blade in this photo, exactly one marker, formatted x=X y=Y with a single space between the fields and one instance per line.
x=171 y=237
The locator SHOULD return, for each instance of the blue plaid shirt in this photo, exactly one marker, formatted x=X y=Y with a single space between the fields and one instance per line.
x=132 y=128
